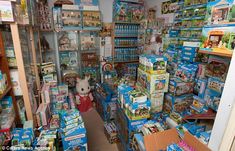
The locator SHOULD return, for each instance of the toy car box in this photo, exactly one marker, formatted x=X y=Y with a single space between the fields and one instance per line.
x=186 y=72
x=153 y=64
x=153 y=83
x=178 y=87
x=178 y=103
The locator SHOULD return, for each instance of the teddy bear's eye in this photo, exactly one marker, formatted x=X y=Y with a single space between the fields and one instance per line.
x=82 y=89
x=88 y=88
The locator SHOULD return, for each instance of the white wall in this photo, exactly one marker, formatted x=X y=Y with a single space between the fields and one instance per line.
x=157 y=5
x=224 y=110
x=106 y=8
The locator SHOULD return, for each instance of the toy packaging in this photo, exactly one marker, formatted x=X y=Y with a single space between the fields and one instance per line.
x=194 y=129
x=217 y=67
x=123 y=90
x=186 y=72
x=43 y=114
x=151 y=127
x=205 y=137
x=178 y=103
x=153 y=64
x=138 y=142
x=218 y=39
x=156 y=100
x=199 y=105
x=137 y=111
x=176 y=117
x=137 y=96
x=200 y=87
x=215 y=85
x=22 y=138
x=212 y=98
x=110 y=131
x=153 y=83
x=178 y=87
x=217 y=15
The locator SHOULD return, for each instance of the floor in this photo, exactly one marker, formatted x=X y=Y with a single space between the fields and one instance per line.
x=97 y=140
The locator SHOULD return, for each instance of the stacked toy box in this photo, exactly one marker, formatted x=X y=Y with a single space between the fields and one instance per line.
x=133 y=109
x=106 y=100
x=153 y=79
x=72 y=130
x=180 y=95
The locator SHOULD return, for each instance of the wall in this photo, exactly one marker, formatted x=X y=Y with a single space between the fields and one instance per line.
x=224 y=111
x=157 y=5
x=106 y=8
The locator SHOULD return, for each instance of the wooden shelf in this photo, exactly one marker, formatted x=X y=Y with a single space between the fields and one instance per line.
x=126 y=46
x=5 y=92
x=126 y=36
x=126 y=61
x=224 y=53
x=127 y=23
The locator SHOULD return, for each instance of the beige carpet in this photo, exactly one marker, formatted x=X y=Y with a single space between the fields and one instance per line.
x=97 y=140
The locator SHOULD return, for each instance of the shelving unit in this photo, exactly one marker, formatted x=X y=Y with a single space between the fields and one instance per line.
x=217 y=53
x=5 y=69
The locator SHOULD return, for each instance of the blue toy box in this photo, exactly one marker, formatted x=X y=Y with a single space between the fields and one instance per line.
x=178 y=87
x=215 y=85
x=138 y=142
x=200 y=87
x=186 y=72
x=212 y=98
x=198 y=105
x=177 y=103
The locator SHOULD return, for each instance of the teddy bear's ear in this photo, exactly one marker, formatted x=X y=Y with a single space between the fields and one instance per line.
x=87 y=77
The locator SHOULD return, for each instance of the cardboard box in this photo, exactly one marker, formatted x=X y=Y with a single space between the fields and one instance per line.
x=153 y=83
x=160 y=141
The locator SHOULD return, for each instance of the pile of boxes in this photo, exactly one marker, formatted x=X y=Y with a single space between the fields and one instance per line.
x=105 y=99
x=153 y=79
x=72 y=130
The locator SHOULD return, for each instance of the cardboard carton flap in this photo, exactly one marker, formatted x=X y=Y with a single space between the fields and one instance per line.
x=194 y=142
x=160 y=140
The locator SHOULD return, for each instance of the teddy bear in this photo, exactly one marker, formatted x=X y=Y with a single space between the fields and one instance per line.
x=84 y=97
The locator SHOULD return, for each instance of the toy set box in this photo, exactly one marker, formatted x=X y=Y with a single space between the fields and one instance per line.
x=199 y=105
x=138 y=143
x=178 y=87
x=47 y=140
x=110 y=131
x=178 y=104
x=215 y=85
x=72 y=130
x=212 y=98
x=200 y=87
x=137 y=111
x=137 y=96
x=189 y=53
x=153 y=83
x=43 y=114
x=186 y=72
x=217 y=67
x=22 y=138
x=153 y=64
x=123 y=91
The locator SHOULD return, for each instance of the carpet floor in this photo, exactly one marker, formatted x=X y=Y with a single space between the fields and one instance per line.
x=97 y=140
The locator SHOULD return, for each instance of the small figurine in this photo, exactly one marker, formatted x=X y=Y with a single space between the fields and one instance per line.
x=64 y=42
x=84 y=97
